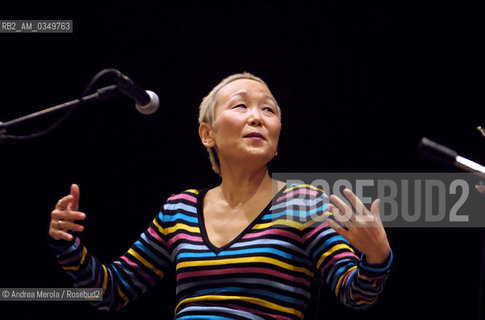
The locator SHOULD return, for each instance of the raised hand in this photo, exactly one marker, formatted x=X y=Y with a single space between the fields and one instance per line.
x=65 y=214
x=363 y=230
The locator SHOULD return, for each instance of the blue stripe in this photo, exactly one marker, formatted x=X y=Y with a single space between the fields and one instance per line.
x=205 y=317
x=181 y=216
x=126 y=285
x=142 y=247
x=157 y=248
x=240 y=252
x=328 y=242
x=252 y=292
x=132 y=276
x=299 y=202
x=295 y=214
x=180 y=206
x=339 y=272
x=212 y=310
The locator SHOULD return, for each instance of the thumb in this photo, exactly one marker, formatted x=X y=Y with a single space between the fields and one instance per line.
x=75 y=193
x=374 y=208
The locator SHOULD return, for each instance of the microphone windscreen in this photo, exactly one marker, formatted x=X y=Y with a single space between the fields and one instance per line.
x=437 y=151
x=151 y=106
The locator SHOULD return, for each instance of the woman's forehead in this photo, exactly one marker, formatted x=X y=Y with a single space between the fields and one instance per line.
x=243 y=87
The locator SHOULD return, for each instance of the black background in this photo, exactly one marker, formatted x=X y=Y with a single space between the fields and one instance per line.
x=359 y=84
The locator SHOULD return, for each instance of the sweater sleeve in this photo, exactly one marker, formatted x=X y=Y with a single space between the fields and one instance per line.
x=356 y=283
x=126 y=278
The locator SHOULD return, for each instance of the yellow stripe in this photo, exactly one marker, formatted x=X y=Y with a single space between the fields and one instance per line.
x=105 y=280
x=361 y=301
x=337 y=288
x=285 y=222
x=196 y=192
x=176 y=227
x=183 y=227
x=192 y=191
x=187 y=264
x=125 y=298
x=293 y=224
x=332 y=250
x=362 y=276
x=304 y=185
x=257 y=301
x=365 y=302
x=83 y=257
x=146 y=263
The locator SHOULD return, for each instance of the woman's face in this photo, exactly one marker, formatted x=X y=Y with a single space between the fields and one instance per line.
x=246 y=126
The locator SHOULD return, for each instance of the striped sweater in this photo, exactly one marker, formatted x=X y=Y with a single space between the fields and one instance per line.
x=264 y=273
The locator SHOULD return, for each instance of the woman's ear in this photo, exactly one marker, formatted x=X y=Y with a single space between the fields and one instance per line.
x=206 y=135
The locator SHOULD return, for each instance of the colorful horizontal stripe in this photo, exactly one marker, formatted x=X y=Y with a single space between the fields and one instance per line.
x=265 y=272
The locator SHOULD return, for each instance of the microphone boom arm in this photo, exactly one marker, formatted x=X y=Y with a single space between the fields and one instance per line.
x=100 y=94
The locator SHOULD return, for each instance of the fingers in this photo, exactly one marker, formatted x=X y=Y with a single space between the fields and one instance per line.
x=75 y=193
x=67 y=215
x=63 y=225
x=60 y=235
x=356 y=202
x=337 y=227
x=345 y=214
x=341 y=211
x=62 y=221
x=374 y=208
x=64 y=215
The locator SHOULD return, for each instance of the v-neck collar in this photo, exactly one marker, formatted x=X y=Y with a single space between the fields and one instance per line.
x=203 y=231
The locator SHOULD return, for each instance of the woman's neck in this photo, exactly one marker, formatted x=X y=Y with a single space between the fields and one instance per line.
x=240 y=184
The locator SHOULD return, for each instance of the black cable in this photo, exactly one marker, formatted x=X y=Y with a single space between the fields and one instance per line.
x=56 y=124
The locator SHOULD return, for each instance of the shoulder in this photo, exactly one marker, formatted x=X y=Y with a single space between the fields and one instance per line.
x=189 y=195
x=301 y=192
x=185 y=200
x=182 y=205
x=302 y=203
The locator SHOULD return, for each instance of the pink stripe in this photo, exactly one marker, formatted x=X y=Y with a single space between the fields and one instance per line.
x=137 y=268
x=361 y=297
x=337 y=257
x=183 y=196
x=182 y=275
x=65 y=261
x=376 y=278
x=254 y=311
x=171 y=241
x=315 y=230
x=72 y=259
x=298 y=191
x=154 y=234
x=278 y=232
x=347 y=277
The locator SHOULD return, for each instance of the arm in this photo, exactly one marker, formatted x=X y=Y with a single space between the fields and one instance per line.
x=361 y=287
x=124 y=279
x=355 y=281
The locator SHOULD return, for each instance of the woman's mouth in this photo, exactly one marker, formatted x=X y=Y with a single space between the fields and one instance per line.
x=255 y=136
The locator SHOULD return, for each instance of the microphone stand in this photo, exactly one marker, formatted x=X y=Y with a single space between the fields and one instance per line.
x=100 y=94
x=447 y=156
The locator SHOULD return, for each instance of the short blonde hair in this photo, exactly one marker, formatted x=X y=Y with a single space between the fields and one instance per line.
x=207 y=110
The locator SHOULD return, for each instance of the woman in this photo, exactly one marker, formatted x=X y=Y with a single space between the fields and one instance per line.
x=235 y=252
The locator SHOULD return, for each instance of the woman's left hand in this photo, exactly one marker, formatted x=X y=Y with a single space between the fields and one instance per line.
x=363 y=230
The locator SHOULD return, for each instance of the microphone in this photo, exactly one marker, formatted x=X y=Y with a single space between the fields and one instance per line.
x=147 y=102
x=448 y=156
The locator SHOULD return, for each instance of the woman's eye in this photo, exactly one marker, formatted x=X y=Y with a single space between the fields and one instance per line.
x=240 y=106
x=269 y=109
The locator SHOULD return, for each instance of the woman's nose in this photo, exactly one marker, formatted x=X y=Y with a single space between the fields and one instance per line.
x=255 y=119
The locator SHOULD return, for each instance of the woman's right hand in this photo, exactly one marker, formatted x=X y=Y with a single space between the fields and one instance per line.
x=65 y=214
